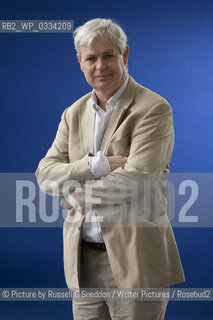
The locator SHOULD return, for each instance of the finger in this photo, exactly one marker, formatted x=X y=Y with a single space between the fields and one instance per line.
x=65 y=204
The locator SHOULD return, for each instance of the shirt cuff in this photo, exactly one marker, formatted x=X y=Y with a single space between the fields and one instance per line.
x=99 y=165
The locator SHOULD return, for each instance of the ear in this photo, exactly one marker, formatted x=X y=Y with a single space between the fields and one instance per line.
x=126 y=54
x=79 y=60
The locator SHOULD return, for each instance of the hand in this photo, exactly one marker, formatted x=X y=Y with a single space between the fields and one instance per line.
x=65 y=204
x=117 y=161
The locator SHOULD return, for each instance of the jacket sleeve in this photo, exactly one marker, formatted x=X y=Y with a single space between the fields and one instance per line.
x=150 y=152
x=55 y=169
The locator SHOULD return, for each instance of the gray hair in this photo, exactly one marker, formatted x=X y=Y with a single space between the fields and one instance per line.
x=85 y=34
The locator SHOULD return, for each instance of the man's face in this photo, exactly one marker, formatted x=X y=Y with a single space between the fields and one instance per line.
x=103 y=65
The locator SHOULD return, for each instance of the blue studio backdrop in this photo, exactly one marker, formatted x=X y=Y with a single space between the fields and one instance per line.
x=171 y=52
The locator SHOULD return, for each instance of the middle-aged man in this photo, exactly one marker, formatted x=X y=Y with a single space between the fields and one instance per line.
x=109 y=163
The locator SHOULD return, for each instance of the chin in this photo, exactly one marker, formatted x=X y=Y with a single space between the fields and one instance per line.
x=103 y=86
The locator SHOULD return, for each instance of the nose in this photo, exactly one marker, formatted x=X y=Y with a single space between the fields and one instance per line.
x=100 y=64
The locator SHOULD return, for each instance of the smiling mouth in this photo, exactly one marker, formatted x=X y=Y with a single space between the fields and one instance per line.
x=103 y=76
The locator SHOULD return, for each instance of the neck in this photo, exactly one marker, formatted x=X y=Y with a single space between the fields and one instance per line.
x=102 y=99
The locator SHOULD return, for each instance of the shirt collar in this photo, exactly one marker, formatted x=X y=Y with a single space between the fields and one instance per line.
x=113 y=100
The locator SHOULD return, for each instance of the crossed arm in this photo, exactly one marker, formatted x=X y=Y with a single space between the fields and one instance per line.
x=150 y=152
x=114 y=161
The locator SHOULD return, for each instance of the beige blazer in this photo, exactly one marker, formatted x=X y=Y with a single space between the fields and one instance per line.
x=130 y=202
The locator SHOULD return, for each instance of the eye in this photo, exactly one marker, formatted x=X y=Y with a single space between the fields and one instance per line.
x=90 y=59
x=108 y=56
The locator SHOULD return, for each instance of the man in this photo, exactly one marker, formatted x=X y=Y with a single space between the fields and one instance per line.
x=109 y=162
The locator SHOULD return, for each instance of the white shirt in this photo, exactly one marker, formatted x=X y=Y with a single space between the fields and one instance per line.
x=99 y=164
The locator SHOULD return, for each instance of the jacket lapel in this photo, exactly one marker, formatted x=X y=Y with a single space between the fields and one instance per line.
x=123 y=104
x=86 y=115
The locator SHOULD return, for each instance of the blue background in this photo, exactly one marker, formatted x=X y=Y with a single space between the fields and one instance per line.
x=170 y=53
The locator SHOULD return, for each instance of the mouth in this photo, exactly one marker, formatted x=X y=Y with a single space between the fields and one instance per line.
x=103 y=76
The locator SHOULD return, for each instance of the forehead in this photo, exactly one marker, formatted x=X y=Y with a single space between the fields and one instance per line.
x=99 y=46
